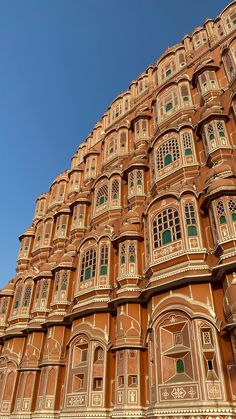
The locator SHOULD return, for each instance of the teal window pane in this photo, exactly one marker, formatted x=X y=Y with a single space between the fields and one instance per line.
x=63 y=286
x=139 y=182
x=168 y=72
x=115 y=196
x=222 y=219
x=131 y=259
x=192 y=231
x=221 y=134
x=188 y=151
x=131 y=184
x=101 y=200
x=122 y=259
x=212 y=137
x=234 y=217
x=169 y=106
x=180 y=366
x=87 y=273
x=185 y=98
x=167 y=159
x=103 y=270
x=166 y=237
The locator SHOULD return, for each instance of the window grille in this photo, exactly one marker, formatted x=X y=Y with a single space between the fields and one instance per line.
x=221 y=212
x=104 y=260
x=102 y=195
x=88 y=266
x=190 y=218
x=166 y=227
x=167 y=153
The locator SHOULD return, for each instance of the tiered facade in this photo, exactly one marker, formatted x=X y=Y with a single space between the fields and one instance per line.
x=124 y=301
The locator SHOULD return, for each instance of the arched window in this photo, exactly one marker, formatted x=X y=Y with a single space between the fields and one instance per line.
x=115 y=190
x=232 y=208
x=207 y=81
x=88 y=266
x=64 y=278
x=216 y=135
x=122 y=254
x=169 y=106
x=44 y=289
x=102 y=195
x=104 y=259
x=190 y=218
x=184 y=92
x=98 y=355
x=221 y=212
x=135 y=183
x=18 y=295
x=132 y=252
x=166 y=227
x=229 y=63
x=3 y=306
x=187 y=143
x=27 y=295
x=180 y=366
x=167 y=153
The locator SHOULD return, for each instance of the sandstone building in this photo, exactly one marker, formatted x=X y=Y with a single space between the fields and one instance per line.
x=124 y=301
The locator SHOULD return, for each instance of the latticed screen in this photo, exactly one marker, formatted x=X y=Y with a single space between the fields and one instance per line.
x=166 y=227
x=187 y=143
x=221 y=212
x=115 y=189
x=132 y=252
x=232 y=208
x=167 y=153
x=27 y=295
x=104 y=260
x=190 y=218
x=88 y=267
x=102 y=195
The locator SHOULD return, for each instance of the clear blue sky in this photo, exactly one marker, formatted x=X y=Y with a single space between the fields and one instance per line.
x=61 y=63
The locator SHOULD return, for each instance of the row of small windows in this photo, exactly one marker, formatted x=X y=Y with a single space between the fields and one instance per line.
x=89 y=263
x=167 y=225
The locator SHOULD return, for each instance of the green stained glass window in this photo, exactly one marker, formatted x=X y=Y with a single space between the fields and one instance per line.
x=139 y=182
x=234 y=216
x=188 y=151
x=167 y=159
x=169 y=106
x=103 y=270
x=131 y=259
x=87 y=273
x=168 y=72
x=166 y=237
x=192 y=231
x=221 y=134
x=222 y=219
x=179 y=366
x=212 y=137
x=101 y=200
x=122 y=259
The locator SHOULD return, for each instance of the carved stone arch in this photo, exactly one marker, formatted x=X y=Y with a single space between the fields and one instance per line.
x=165 y=88
x=161 y=136
x=181 y=303
x=85 y=242
x=161 y=197
x=91 y=333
